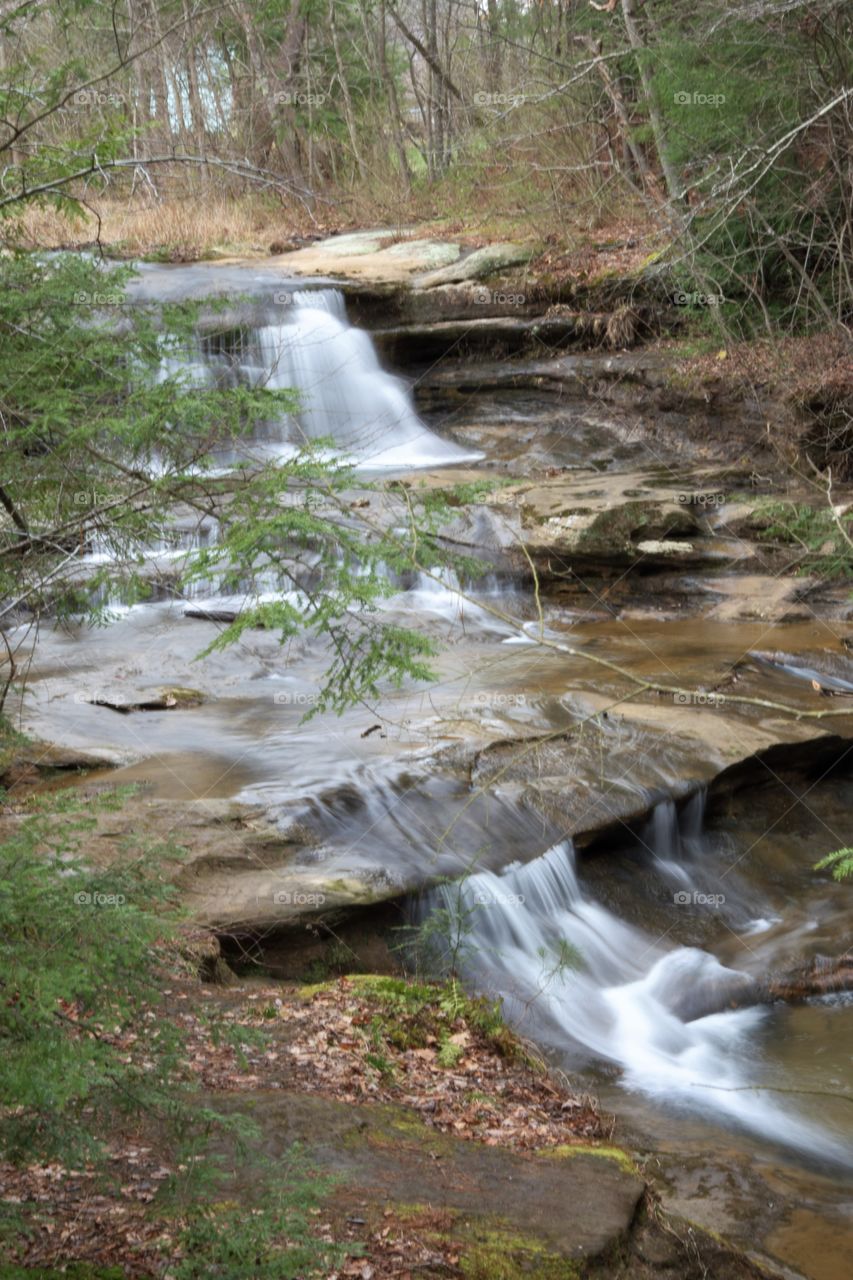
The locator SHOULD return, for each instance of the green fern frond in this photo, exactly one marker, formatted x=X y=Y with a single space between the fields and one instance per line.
x=841 y=862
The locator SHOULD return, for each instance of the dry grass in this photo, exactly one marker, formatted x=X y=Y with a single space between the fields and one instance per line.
x=185 y=220
x=182 y=228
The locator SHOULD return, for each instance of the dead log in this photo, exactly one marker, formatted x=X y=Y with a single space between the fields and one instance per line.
x=823 y=976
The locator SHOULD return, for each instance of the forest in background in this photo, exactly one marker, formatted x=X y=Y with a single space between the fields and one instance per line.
x=714 y=137
x=724 y=132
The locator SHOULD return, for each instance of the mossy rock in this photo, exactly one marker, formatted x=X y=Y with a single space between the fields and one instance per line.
x=177 y=696
x=505 y=1257
x=481 y=264
x=165 y=699
x=620 y=526
x=569 y=1151
x=617 y=528
x=491 y=1250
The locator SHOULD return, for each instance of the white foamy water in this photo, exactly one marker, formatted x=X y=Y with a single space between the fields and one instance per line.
x=344 y=394
x=439 y=594
x=623 y=996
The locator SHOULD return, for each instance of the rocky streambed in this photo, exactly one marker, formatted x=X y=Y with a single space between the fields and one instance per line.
x=636 y=746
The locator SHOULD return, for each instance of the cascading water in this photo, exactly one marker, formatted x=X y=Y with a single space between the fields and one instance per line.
x=331 y=300
x=575 y=977
x=672 y=837
x=345 y=396
x=440 y=594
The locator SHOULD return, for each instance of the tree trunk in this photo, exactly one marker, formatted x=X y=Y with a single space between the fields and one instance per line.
x=349 y=114
x=740 y=991
x=611 y=88
x=674 y=186
x=391 y=89
x=198 y=123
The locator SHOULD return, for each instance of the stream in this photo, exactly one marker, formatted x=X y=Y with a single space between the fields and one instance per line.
x=616 y=960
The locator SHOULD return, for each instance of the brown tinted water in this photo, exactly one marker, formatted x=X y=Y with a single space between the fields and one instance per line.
x=248 y=740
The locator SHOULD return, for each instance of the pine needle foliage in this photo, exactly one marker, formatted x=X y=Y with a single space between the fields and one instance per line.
x=78 y=952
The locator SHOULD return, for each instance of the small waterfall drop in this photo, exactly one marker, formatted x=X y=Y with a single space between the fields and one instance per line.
x=672 y=837
x=331 y=300
x=345 y=396
x=439 y=594
x=576 y=977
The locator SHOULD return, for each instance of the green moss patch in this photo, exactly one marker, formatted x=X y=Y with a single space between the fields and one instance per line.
x=489 y=1249
x=502 y=1257
x=569 y=1151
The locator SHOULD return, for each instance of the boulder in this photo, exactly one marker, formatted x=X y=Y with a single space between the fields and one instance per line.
x=484 y=262
x=370 y=256
x=554 y=1209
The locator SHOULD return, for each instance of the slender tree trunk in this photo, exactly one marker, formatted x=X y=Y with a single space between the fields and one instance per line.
x=390 y=85
x=349 y=114
x=157 y=73
x=193 y=90
x=674 y=186
x=493 y=49
x=617 y=102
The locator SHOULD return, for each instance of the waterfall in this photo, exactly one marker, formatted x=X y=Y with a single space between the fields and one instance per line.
x=345 y=396
x=671 y=837
x=331 y=300
x=576 y=977
x=439 y=594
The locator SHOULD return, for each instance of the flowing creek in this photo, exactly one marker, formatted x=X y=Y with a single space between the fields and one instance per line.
x=620 y=960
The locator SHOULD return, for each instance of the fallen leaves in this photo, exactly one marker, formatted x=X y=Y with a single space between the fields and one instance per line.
x=343 y=1042
x=70 y=1214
